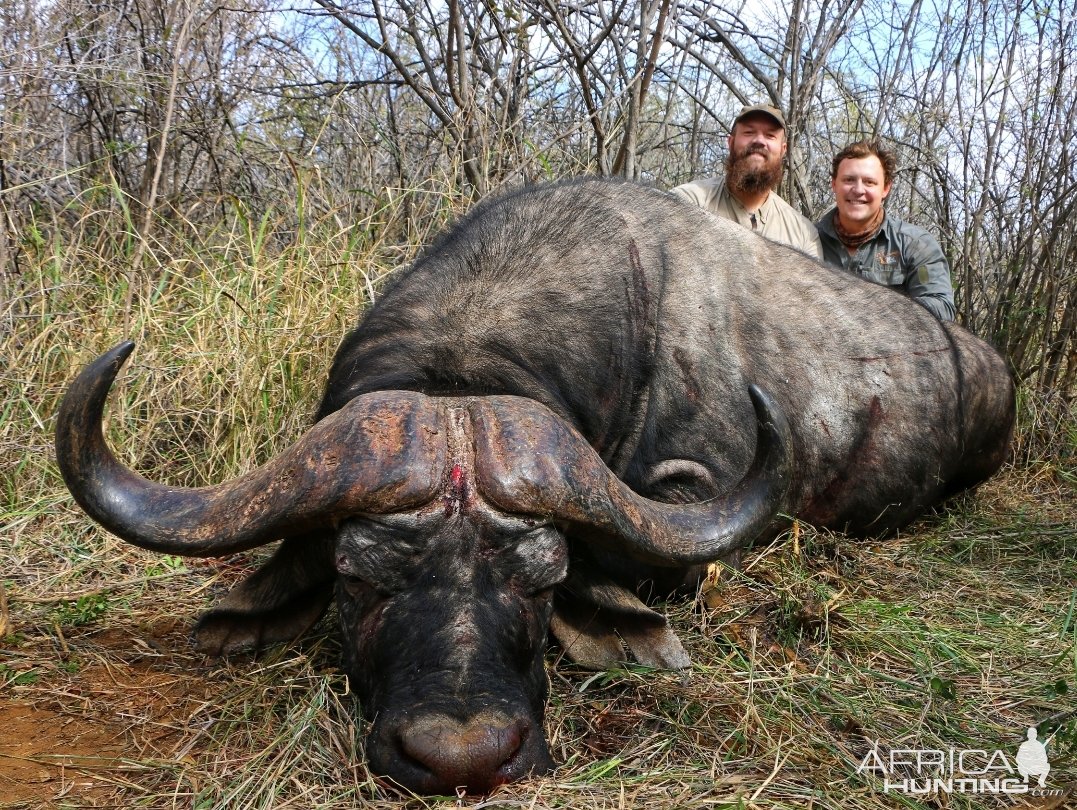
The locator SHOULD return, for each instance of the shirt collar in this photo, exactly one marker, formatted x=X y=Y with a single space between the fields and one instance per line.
x=761 y=214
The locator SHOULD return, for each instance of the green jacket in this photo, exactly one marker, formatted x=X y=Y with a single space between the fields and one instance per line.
x=901 y=255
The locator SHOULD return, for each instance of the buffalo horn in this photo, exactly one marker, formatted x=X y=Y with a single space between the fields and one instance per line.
x=536 y=462
x=369 y=456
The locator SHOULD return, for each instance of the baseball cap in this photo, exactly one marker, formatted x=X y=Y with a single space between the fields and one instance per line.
x=765 y=109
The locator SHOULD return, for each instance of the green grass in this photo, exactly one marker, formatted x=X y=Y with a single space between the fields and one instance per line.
x=961 y=632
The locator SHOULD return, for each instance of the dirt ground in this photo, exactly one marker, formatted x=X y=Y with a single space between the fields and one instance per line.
x=48 y=756
x=76 y=738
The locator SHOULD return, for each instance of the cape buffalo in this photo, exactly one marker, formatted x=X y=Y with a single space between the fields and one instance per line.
x=577 y=389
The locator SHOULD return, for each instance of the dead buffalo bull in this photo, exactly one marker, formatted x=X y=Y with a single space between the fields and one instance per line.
x=555 y=404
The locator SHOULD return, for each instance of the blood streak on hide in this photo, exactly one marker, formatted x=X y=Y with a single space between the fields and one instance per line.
x=457 y=495
x=456 y=498
x=863 y=455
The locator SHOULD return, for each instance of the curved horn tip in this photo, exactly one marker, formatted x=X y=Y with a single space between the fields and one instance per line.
x=105 y=367
x=118 y=354
x=83 y=402
x=761 y=400
x=767 y=411
x=96 y=377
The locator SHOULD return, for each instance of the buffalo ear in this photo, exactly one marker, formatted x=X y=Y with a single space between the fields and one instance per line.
x=594 y=619
x=276 y=604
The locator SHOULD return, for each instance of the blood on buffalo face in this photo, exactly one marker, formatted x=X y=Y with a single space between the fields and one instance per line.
x=444 y=614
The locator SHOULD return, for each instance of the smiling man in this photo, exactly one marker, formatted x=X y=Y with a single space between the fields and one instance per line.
x=746 y=195
x=859 y=236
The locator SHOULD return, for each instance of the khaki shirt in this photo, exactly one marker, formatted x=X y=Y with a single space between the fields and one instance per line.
x=775 y=219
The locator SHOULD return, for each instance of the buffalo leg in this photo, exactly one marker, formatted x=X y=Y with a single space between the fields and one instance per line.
x=277 y=603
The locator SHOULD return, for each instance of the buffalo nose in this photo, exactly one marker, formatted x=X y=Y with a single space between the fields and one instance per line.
x=478 y=753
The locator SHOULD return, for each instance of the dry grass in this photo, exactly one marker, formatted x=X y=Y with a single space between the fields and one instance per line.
x=960 y=633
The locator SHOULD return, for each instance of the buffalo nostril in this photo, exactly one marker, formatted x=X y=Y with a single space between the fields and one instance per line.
x=472 y=753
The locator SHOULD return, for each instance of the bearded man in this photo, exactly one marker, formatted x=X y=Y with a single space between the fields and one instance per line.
x=753 y=170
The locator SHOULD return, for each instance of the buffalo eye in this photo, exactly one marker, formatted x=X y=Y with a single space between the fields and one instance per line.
x=353 y=583
x=529 y=587
x=355 y=587
x=543 y=595
x=344 y=566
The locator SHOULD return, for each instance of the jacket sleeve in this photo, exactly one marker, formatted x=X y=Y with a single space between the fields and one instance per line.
x=927 y=277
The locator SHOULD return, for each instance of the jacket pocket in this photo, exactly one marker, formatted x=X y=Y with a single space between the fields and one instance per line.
x=886 y=269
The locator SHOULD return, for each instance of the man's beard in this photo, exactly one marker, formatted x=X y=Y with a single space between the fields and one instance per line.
x=742 y=177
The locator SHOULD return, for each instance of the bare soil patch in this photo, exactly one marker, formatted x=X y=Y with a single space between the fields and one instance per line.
x=48 y=756
x=79 y=729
